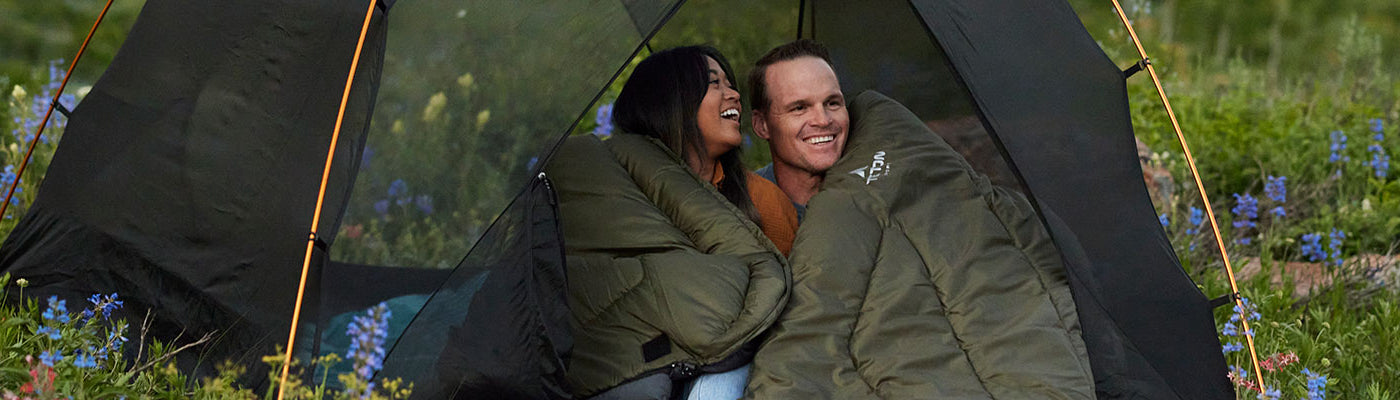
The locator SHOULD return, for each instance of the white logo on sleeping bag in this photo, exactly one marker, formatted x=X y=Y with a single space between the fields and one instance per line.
x=877 y=169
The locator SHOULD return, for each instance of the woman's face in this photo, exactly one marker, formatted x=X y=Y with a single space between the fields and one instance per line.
x=718 y=115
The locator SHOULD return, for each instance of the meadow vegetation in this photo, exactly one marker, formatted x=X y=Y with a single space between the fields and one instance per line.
x=1288 y=107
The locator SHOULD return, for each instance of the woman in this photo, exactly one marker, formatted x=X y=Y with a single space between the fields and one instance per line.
x=670 y=275
x=664 y=100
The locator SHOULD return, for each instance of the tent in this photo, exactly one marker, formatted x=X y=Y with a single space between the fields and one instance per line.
x=188 y=176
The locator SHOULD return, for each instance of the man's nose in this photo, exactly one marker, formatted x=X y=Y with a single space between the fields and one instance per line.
x=822 y=117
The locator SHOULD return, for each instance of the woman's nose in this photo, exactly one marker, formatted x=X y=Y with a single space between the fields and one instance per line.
x=731 y=93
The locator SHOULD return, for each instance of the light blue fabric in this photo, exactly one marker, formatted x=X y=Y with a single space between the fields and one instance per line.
x=727 y=385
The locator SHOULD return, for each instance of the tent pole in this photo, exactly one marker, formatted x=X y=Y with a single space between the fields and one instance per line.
x=34 y=142
x=1201 y=188
x=320 y=200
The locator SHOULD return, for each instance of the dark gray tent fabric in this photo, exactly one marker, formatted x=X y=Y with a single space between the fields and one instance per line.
x=186 y=178
x=1059 y=108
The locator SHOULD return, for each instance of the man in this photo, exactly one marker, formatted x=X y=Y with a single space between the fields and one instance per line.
x=799 y=108
x=913 y=276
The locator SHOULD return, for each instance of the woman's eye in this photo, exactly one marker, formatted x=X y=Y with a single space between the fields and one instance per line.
x=713 y=82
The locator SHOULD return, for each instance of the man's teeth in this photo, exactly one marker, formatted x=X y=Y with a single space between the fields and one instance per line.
x=730 y=113
x=820 y=139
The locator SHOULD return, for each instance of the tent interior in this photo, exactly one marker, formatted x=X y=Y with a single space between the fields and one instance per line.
x=194 y=198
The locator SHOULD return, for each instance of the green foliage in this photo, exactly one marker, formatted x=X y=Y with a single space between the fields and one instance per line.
x=38 y=31
x=1258 y=88
x=52 y=352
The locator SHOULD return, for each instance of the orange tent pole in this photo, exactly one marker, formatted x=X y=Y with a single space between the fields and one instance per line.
x=19 y=174
x=320 y=201
x=1191 y=162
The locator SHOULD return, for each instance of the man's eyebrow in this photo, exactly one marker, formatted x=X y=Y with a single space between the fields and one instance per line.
x=795 y=103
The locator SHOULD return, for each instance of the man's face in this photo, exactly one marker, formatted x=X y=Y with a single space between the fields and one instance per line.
x=806 y=121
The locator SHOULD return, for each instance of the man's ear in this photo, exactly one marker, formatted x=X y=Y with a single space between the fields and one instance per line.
x=760 y=125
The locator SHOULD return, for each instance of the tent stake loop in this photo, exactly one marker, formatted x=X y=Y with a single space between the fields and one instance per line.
x=1138 y=66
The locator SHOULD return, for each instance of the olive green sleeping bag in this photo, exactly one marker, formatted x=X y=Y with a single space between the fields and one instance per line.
x=915 y=278
x=665 y=276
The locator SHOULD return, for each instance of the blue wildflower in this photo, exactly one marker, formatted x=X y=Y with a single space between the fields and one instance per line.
x=530 y=165
x=398 y=188
x=1317 y=385
x=424 y=203
x=82 y=360
x=381 y=207
x=1339 y=144
x=1246 y=210
x=367 y=334
x=1270 y=393
x=105 y=304
x=1335 y=245
x=1240 y=373
x=51 y=358
x=604 y=121
x=1231 y=347
x=1380 y=162
x=57 y=311
x=1163 y=219
x=1197 y=218
x=366 y=156
x=1230 y=329
x=1377 y=125
x=1248 y=306
x=1312 y=247
x=1274 y=188
x=1276 y=191
x=9 y=178
x=52 y=332
x=115 y=340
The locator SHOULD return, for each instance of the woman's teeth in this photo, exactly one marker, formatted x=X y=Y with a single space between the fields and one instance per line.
x=730 y=114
